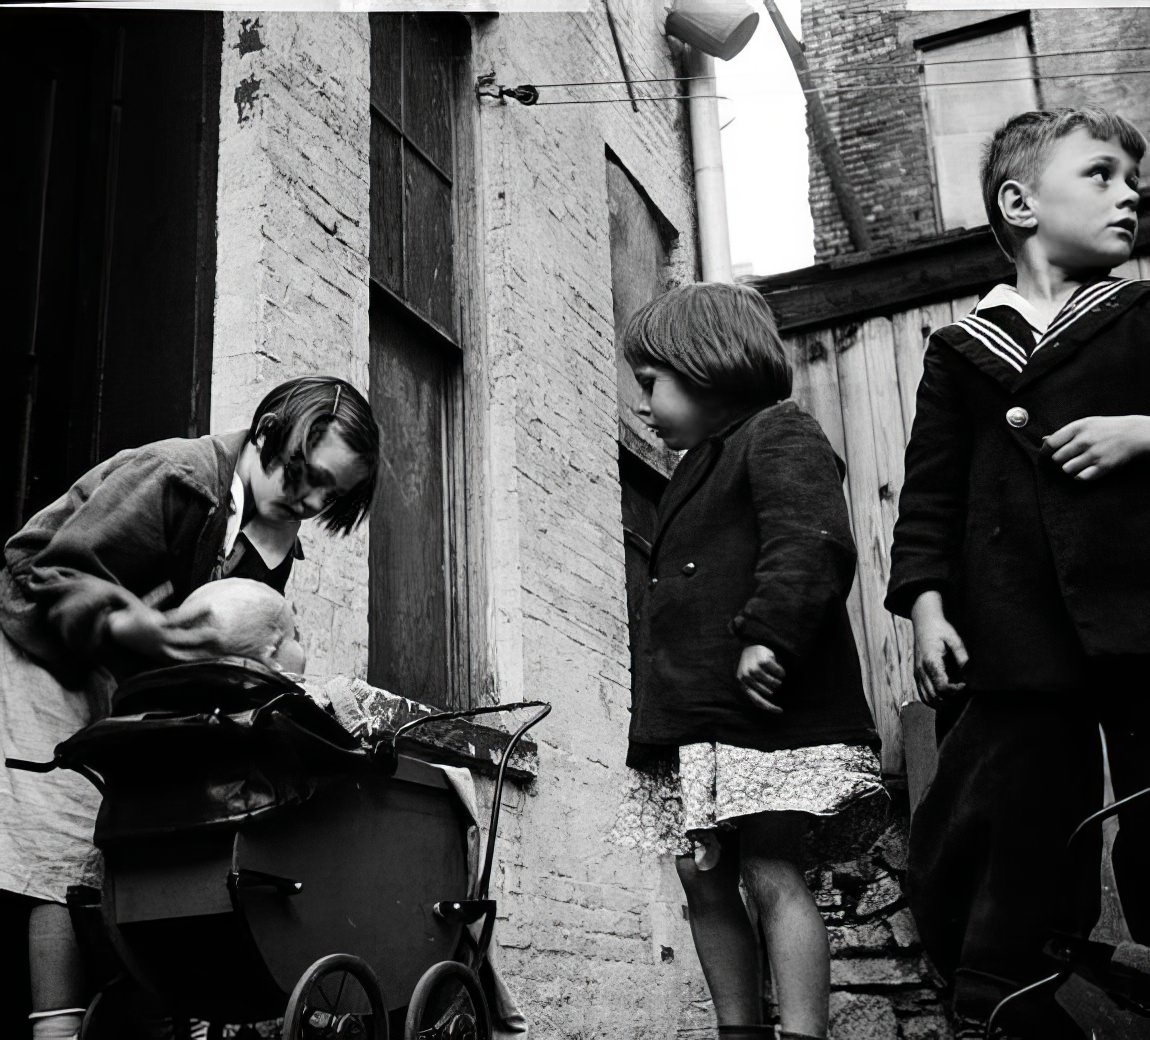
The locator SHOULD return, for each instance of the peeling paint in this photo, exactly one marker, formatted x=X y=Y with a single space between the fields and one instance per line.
x=249 y=37
x=246 y=95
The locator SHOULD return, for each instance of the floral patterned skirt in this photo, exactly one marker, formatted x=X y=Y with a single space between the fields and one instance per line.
x=677 y=810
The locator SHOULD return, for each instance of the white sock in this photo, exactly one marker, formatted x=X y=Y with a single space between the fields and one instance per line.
x=57 y=1025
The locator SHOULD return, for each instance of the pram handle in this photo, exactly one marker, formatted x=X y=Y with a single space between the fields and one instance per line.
x=1105 y=812
x=88 y=774
x=387 y=750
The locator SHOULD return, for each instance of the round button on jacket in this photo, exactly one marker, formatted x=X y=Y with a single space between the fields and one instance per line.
x=688 y=569
x=1017 y=417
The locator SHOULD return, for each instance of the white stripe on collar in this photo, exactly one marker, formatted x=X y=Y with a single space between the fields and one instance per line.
x=1003 y=345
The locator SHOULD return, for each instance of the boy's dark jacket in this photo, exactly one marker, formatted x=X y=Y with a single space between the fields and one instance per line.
x=752 y=546
x=1034 y=566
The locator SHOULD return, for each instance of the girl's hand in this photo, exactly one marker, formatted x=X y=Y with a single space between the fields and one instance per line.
x=760 y=675
x=1092 y=447
x=139 y=628
x=935 y=640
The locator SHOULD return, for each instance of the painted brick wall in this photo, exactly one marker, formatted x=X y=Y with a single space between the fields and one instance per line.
x=594 y=941
x=595 y=938
x=883 y=135
x=292 y=288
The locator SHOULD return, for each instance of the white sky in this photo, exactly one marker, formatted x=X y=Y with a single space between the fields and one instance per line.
x=765 y=151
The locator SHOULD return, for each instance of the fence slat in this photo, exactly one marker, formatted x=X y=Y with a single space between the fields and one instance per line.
x=816 y=390
x=890 y=436
x=872 y=537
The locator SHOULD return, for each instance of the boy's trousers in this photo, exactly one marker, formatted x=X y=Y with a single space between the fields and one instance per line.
x=990 y=875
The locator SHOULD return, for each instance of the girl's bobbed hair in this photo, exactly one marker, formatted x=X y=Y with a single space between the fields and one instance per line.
x=718 y=336
x=293 y=419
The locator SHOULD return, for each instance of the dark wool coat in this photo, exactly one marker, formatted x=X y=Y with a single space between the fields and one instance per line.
x=752 y=546
x=1037 y=570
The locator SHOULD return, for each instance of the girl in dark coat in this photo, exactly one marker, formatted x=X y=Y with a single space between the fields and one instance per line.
x=748 y=714
x=79 y=591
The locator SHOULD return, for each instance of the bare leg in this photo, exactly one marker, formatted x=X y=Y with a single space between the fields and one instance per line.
x=796 y=935
x=56 y=971
x=723 y=938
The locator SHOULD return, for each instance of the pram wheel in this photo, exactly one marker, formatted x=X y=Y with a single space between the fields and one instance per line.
x=448 y=1004
x=338 y=996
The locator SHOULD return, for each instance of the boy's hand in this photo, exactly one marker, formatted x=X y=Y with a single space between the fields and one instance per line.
x=935 y=639
x=760 y=675
x=1092 y=447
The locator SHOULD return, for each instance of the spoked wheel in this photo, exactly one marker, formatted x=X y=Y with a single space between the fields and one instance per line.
x=338 y=996
x=448 y=1004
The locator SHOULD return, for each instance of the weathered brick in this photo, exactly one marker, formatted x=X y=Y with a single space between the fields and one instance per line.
x=869 y=45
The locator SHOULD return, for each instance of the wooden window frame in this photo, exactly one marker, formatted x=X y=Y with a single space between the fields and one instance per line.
x=960 y=34
x=466 y=666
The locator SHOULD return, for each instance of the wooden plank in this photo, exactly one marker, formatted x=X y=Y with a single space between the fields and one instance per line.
x=386 y=194
x=872 y=536
x=890 y=442
x=428 y=243
x=409 y=595
x=858 y=286
x=961 y=306
x=850 y=289
x=816 y=390
x=430 y=45
x=911 y=330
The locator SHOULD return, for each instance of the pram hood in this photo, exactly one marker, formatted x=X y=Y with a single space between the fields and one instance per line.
x=207 y=744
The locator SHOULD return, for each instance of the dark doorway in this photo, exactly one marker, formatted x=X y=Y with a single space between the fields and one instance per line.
x=109 y=186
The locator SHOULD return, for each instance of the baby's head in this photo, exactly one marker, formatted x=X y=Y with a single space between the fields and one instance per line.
x=1069 y=175
x=715 y=343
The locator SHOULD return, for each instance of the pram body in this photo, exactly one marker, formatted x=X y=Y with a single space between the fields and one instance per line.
x=247 y=836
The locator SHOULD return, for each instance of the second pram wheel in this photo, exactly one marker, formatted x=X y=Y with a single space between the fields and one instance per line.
x=337 y=997
x=448 y=1004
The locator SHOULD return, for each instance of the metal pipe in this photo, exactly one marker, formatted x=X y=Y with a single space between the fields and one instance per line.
x=707 y=158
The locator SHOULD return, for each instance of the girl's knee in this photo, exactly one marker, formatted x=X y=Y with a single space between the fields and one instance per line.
x=774 y=880
x=707 y=887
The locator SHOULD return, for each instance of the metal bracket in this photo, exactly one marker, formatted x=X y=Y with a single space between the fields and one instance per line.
x=465 y=911
x=244 y=878
x=525 y=93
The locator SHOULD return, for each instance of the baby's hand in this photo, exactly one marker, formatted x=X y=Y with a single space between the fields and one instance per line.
x=760 y=675
x=1092 y=447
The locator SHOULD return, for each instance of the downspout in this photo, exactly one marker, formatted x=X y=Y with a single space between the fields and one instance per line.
x=707 y=158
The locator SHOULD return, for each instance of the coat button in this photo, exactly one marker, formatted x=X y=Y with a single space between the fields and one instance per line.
x=688 y=569
x=1017 y=417
x=653 y=582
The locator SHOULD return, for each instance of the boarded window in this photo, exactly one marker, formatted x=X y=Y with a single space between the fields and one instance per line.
x=967 y=97
x=641 y=241
x=416 y=358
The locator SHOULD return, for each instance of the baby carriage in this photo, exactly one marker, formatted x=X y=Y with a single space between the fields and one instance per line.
x=261 y=861
x=1117 y=971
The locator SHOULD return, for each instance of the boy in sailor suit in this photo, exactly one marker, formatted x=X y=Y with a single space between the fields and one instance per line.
x=1022 y=557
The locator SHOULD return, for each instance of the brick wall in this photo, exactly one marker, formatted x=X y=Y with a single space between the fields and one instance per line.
x=593 y=939
x=883 y=134
x=291 y=280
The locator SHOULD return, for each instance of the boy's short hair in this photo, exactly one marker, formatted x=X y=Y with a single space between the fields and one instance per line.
x=720 y=337
x=1019 y=148
x=301 y=412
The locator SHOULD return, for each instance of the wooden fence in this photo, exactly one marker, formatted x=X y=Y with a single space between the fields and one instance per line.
x=859 y=379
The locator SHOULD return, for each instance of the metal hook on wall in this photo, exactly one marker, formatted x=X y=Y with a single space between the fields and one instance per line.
x=525 y=93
